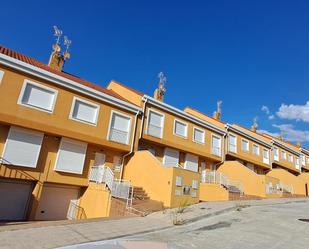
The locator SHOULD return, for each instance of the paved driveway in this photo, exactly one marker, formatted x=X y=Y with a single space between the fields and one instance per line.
x=271 y=226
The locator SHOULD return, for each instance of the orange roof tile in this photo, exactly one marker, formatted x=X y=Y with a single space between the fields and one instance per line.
x=21 y=57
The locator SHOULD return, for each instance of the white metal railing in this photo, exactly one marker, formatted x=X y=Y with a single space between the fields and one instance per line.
x=123 y=189
x=154 y=130
x=75 y=212
x=118 y=136
x=102 y=174
x=285 y=188
x=270 y=188
x=119 y=188
x=216 y=177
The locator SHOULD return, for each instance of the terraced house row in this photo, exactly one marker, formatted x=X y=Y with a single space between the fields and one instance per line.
x=71 y=149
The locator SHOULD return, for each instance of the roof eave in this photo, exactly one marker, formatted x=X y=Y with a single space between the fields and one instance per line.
x=59 y=80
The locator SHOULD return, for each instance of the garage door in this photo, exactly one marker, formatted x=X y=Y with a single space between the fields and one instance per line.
x=15 y=197
x=55 y=201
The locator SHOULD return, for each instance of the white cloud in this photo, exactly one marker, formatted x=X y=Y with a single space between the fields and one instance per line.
x=297 y=112
x=271 y=117
x=265 y=109
x=290 y=133
x=274 y=134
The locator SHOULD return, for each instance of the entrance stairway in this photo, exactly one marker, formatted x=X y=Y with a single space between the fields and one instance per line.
x=141 y=205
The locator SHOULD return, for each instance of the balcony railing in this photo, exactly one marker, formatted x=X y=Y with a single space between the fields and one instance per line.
x=216 y=151
x=216 y=177
x=153 y=130
x=118 y=136
x=102 y=174
x=75 y=212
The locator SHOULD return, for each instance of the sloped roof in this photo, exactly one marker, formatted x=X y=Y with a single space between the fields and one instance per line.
x=26 y=59
x=204 y=117
x=252 y=133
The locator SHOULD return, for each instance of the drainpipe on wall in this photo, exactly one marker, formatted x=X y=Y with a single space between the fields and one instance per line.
x=143 y=115
x=132 y=146
x=224 y=148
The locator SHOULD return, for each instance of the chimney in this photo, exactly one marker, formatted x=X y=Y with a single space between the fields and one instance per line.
x=160 y=91
x=255 y=125
x=57 y=60
x=217 y=114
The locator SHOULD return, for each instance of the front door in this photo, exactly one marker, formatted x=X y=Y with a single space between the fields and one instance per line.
x=99 y=159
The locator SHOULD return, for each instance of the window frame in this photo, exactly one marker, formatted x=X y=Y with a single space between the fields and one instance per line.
x=1 y=76
x=258 y=149
x=193 y=137
x=110 y=124
x=87 y=103
x=186 y=129
x=228 y=140
x=267 y=150
x=242 y=140
x=148 y=121
x=220 y=138
x=25 y=130
x=290 y=158
x=278 y=157
x=57 y=157
x=47 y=88
x=283 y=152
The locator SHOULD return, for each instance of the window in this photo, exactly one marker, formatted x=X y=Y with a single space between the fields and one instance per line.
x=84 y=111
x=191 y=162
x=245 y=145
x=303 y=160
x=283 y=155
x=307 y=160
x=290 y=158
x=194 y=184
x=198 y=135
x=276 y=154
x=232 y=143
x=256 y=150
x=180 y=128
x=119 y=128
x=155 y=124
x=71 y=156
x=37 y=96
x=266 y=156
x=216 y=145
x=22 y=147
x=1 y=76
x=178 y=181
x=297 y=163
x=171 y=157
x=117 y=161
x=178 y=192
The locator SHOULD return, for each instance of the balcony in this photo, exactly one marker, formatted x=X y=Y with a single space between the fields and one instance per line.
x=154 y=130
x=118 y=136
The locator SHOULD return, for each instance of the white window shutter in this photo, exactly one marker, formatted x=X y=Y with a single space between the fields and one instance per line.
x=85 y=112
x=171 y=157
x=40 y=97
x=191 y=162
x=22 y=147
x=71 y=156
x=119 y=129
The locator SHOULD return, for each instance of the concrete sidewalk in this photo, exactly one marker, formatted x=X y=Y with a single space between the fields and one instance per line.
x=56 y=234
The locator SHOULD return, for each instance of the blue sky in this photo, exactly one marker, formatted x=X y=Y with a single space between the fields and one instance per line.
x=249 y=54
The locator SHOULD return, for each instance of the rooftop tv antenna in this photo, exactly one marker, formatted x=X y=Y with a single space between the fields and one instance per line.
x=57 y=33
x=67 y=43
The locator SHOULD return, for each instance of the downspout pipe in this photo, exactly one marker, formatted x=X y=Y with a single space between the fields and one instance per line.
x=224 y=147
x=132 y=145
x=143 y=116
